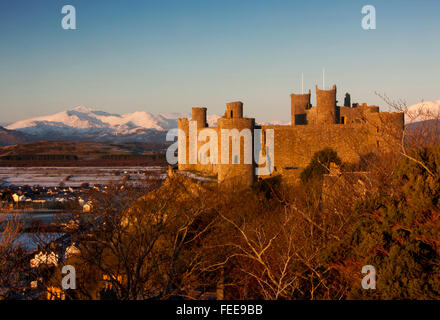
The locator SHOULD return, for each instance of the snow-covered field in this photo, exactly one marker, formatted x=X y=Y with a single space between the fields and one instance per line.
x=76 y=176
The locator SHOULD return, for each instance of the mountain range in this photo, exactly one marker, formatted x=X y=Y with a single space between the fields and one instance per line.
x=83 y=123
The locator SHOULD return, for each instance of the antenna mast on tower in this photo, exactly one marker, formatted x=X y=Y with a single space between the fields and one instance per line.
x=323 y=78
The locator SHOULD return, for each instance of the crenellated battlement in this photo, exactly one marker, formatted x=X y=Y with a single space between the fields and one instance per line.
x=352 y=131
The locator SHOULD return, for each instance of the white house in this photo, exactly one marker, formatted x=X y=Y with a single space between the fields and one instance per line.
x=87 y=207
x=71 y=251
x=44 y=258
x=19 y=198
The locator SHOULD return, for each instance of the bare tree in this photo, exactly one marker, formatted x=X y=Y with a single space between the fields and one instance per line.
x=12 y=252
x=140 y=246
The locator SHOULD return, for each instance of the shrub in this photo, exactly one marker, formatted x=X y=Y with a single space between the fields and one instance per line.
x=397 y=231
x=319 y=165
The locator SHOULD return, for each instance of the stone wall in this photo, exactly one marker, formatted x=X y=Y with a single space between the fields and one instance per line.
x=295 y=146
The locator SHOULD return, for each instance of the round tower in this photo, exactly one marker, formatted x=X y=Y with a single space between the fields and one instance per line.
x=326 y=106
x=199 y=115
x=183 y=145
x=234 y=110
x=299 y=104
x=239 y=170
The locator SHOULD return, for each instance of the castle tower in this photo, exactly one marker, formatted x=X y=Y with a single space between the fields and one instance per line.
x=199 y=115
x=347 y=100
x=326 y=106
x=237 y=172
x=234 y=110
x=183 y=146
x=299 y=104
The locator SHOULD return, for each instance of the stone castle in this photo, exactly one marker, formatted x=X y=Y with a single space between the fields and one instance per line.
x=352 y=130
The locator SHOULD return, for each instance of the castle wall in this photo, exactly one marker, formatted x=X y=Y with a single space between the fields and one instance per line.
x=386 y=128
x=351 y=132
x=295 y=146
x=312 y=115
x=356 y=115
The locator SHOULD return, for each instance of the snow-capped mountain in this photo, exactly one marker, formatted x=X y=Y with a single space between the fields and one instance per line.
x=86 y=123
x=83 y=118
x=423 y=111
x=83 y=123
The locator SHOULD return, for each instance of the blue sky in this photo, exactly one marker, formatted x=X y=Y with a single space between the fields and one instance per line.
x=169 y=56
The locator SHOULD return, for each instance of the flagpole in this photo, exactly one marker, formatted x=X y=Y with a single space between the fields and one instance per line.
x=302 y=82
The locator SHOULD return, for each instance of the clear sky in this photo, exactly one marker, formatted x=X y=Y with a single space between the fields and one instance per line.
x=169 y=56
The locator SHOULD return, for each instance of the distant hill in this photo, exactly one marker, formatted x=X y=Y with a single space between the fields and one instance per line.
x=10 y=137
x=62 y=153
x=79 y=149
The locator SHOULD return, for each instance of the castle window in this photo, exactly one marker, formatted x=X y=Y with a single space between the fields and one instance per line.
x=343 y=120
x=231 y=114
x=377 y=142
